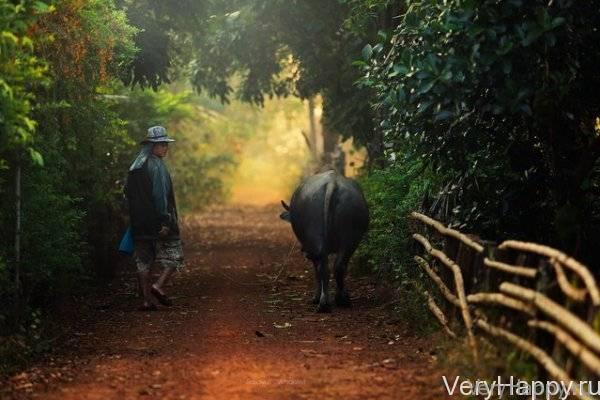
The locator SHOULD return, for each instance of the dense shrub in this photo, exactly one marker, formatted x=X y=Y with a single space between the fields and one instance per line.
x=60 y=137
x=392 y=193
x=501 y=97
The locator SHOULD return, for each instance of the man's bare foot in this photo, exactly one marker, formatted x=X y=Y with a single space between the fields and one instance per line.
x=160 y=296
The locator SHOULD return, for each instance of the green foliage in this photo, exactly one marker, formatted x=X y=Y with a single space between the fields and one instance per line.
x=82 y=134
x=52 y=226
x=168 y=28
x=143 y=109
x=20 y=347
x=6 y=284
x=500 y=97
x=69 y=213
x=259 y=49
x=365 y=14
x=441 y=56
x=20 y=71
x=391 y=194
x=52 y=253
x=108 y=28
x=92 y=43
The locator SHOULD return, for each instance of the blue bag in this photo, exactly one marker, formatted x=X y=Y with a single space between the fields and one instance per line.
x=126 y=245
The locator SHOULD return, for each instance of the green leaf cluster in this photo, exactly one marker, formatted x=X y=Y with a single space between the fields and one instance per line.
x=20 y=71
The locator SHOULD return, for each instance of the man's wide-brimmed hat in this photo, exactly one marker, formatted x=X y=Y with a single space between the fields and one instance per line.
x=157 y=134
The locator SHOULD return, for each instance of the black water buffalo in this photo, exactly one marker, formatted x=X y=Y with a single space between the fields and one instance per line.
x=329 y=215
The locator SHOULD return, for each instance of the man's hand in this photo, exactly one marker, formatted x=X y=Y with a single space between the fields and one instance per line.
x=164 y=231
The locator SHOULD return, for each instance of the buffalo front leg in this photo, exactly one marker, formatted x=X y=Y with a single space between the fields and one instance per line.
x=342 y=299
x=323 y=275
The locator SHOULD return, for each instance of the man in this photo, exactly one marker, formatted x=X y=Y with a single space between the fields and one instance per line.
x=153 y=217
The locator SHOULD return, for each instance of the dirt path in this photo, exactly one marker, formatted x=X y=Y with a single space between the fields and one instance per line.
x=232 y=334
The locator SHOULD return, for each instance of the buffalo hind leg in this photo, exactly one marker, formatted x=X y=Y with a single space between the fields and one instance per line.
x=342 y=299
x=317 y=295
x=323 y=274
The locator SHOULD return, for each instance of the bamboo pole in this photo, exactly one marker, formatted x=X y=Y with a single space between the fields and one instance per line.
x=571 y=322
x=540 y=355
x=512 y=269
x=439 y=314
x=569 y=262
x=499 y=298
x=438 y=281
x=574 y=293
x=460 y=289
x=447 y=231
x=576 y=348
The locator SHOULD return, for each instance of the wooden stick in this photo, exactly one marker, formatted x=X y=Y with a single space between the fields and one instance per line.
x=569 y=262
x=571 y=322
x=512 y=269
x=447 y=231
x=499 y=298
x=18 y=233
x=571 y=291
x=459 y=286
x=540 y=355
x=576 y=348
x=439 y=315
x=438 y=281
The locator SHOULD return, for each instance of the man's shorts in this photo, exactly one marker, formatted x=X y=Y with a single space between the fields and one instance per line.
x=167 y=253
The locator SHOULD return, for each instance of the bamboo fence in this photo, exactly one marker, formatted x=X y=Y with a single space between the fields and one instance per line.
x=536 y=298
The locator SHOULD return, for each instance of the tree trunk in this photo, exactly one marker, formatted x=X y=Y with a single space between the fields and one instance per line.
x=18 y=232
x=330 y=139
x=313 y=129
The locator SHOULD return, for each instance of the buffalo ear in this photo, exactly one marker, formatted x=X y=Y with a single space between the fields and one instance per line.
x=285 y=216
x=285 y=205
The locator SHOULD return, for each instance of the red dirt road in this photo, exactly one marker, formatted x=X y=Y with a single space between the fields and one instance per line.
x=234 y=333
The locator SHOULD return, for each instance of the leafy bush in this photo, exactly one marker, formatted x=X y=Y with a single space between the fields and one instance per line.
x=68 y=190
x=21 y=72
x=501 y=97
x=52 y=239
x=391 y=194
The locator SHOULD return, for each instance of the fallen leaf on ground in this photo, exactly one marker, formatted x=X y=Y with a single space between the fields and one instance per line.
x=311 y=353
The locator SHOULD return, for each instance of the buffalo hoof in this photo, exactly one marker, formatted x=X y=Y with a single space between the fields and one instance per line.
x=343 y=300
x=324 y=308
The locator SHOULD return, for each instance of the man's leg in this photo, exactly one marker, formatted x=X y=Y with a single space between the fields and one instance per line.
x=163 y=279
x=143 y=256
x=144 y=277
x=169 y=254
